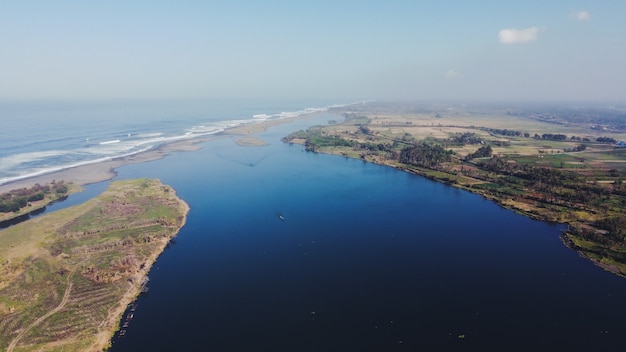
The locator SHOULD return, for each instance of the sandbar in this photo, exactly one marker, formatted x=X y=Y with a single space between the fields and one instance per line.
x=250 y=142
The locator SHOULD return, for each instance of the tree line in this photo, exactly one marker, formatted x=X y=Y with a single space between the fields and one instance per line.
x=15 y=200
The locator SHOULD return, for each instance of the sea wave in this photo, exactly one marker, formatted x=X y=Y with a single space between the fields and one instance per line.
x=120 y=144
x=23 y=158
x=45 y=171
x=149 y=135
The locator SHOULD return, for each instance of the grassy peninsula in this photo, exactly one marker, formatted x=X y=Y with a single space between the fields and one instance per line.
x=556 y=164
x=67 y=277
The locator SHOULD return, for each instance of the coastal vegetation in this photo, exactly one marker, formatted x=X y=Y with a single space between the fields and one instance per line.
x=555 y=171
x=67 y=277
x=21 y=201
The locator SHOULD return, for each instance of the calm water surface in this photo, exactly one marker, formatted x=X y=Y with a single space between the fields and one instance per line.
x=367 y=259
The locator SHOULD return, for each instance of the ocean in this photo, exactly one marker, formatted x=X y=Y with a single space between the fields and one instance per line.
x=286 y=250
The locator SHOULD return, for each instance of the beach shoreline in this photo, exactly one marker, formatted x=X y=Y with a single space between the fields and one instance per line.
x=106 y=170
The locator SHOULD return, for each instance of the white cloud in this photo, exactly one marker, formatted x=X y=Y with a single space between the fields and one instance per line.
x=512 y=36
x=581 y=16
x=451 y=74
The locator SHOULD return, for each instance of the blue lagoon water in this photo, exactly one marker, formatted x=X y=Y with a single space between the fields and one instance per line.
x=367 y=258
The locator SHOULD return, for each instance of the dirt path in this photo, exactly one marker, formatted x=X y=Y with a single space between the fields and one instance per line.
x=66 y=297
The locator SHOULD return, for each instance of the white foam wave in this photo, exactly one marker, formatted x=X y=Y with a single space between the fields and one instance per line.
x=149 y=135
x=44 y=171
x=204 y=130
x=134 y=144
x=23 y=158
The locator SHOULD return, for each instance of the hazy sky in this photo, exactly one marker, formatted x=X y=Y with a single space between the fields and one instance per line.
x=547 y=50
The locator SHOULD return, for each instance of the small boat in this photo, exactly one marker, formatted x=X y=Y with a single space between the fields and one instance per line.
x=281 y=217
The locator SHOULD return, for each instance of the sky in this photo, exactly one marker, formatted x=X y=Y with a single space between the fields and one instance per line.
x=342 y=49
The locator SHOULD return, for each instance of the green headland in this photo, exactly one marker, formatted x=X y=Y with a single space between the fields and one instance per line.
x=67 y=277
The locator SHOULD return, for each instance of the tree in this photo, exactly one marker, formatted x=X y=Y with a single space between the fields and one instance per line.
x=605 y=140
x=424 y=155
x=482 y=152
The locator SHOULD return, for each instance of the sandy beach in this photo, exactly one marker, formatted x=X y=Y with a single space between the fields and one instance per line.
x=102 y=171
x=97 y=172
